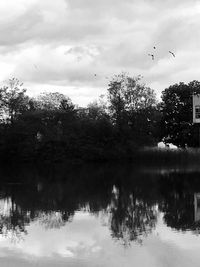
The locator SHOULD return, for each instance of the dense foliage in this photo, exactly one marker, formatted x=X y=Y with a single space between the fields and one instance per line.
x=177 y=125
x=51 y=127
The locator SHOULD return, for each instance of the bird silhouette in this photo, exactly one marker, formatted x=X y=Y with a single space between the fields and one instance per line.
x=154 y=47
x=152 y=56
x=172 y=53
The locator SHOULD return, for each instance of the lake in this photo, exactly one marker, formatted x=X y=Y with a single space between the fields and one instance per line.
x=100 y=215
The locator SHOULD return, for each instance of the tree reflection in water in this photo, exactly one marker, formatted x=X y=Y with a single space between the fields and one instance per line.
x=51 y=220
x=129 y=198
x=130 y=218
x=13 y=220
x=178 y=191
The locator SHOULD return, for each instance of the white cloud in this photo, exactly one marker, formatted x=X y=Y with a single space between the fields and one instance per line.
x=64 y=43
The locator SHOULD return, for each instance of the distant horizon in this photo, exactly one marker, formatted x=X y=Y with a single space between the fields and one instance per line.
x=84 y=100
x=33 y=91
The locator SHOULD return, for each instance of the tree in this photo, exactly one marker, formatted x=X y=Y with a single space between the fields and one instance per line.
x=145 y=124
x=13 y=100
x=128 y=94
x=177 y=126
x=96 y=110
x=52 y=101
x=132 y=103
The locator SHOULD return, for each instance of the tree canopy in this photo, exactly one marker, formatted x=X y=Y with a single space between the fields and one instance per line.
x=133 y=109
x=52 y=101
x=13 y=100
x=177 y=125
x=128 y=94
x=50 y=126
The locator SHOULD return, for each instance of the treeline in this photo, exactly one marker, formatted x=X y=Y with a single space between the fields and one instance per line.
x=51 y=127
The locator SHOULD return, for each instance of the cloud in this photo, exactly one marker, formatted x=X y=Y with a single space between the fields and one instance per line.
x=64 y=43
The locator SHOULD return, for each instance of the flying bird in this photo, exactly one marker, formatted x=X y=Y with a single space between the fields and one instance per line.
x=154 y=47
x=172 y=53
x=152 y=56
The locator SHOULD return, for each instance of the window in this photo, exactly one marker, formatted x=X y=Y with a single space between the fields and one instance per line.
x=197 y=112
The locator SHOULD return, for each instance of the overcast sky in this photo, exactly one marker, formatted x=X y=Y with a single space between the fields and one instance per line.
x=75 y=46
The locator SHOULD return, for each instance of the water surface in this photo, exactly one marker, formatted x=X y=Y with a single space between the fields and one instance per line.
x=100 y=215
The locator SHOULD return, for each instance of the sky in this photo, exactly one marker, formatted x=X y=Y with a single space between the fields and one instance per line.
x=76 y=46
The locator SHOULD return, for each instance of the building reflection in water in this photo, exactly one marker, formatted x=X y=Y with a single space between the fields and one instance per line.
x=196 y=207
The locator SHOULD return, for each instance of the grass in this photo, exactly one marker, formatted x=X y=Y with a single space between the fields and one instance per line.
x=158 y=155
